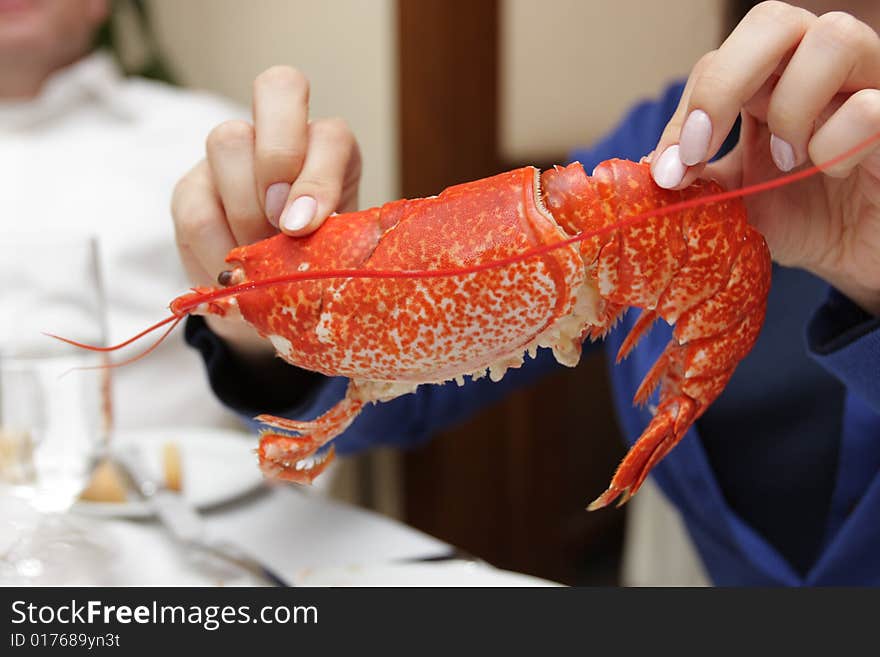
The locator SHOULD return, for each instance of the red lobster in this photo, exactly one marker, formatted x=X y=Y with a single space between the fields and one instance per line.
x=465 y=283
x=704 y=270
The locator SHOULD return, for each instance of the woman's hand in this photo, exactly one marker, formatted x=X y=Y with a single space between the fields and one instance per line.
x=807 y=90
x=281 y=172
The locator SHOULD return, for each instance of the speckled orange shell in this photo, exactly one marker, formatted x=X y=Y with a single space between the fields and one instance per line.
x=668 y=261
x=416 y=331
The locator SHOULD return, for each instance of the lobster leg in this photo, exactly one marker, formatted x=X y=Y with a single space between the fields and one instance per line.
x=676 y=413
x=709 y=341
x=669 y=425
x=644 y=322
x=298 y=458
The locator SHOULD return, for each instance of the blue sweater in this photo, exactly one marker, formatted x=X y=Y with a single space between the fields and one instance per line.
x=777 y=483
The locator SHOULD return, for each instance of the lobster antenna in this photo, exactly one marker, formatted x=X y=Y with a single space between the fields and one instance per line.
x=128 y=361
x=92 y=347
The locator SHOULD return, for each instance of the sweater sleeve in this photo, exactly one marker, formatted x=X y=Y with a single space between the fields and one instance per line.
x=845 y=340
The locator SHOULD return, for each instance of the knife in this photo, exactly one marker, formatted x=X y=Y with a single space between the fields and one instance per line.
x=182 y=520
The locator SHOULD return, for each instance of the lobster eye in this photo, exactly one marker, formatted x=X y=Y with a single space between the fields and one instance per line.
x=224 y=278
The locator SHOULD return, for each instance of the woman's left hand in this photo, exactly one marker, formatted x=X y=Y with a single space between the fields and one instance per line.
x=807 y=90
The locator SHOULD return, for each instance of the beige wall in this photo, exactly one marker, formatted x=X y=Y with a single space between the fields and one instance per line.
x=570 y=68
x=346 y=47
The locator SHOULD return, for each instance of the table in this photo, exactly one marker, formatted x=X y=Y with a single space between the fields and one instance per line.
x=288 y=528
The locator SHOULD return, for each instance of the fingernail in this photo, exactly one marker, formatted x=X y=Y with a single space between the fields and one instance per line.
x=695 y=136
x=782 y=152
x=276 y=195
x=669 y=170
x=300 y=213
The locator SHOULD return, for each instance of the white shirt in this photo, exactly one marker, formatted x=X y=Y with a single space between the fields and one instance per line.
x=96 y=153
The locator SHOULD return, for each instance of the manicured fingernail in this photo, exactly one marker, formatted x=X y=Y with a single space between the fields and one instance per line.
x=782 y=152
x=276 y=195
x=695 y=136
x=669 y=170
x=300 y=213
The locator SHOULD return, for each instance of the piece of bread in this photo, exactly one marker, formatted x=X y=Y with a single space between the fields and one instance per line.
x=16 y=457
x=107 y=485
x=171 y=467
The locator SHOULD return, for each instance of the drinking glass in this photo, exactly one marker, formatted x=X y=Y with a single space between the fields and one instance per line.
x=54 y=404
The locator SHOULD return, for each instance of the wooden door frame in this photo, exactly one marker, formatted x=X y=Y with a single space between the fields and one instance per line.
x=511 y=484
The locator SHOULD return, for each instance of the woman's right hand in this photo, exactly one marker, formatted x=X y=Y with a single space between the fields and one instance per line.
x=283 y=172
x=808 y=90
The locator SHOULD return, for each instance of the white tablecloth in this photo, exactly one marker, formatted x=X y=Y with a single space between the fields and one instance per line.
x=290 y=530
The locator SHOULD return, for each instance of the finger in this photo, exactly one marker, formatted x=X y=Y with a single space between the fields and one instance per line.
x=203 y=236
x=667 y=168
x=328 y=180
x=230 y=150
x=758 y=105
x=281 y=110
x=838 y=54
x=196 y=273
x=738 y=70
x=728 y=170
x=856 y=121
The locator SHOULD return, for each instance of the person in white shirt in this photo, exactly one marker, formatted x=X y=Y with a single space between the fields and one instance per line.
x=85 y=150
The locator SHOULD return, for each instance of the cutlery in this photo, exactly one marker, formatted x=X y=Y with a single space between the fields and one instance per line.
x=182 y=520
x=455 y=554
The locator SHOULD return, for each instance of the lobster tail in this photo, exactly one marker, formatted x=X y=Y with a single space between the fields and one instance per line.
x=698 y=266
